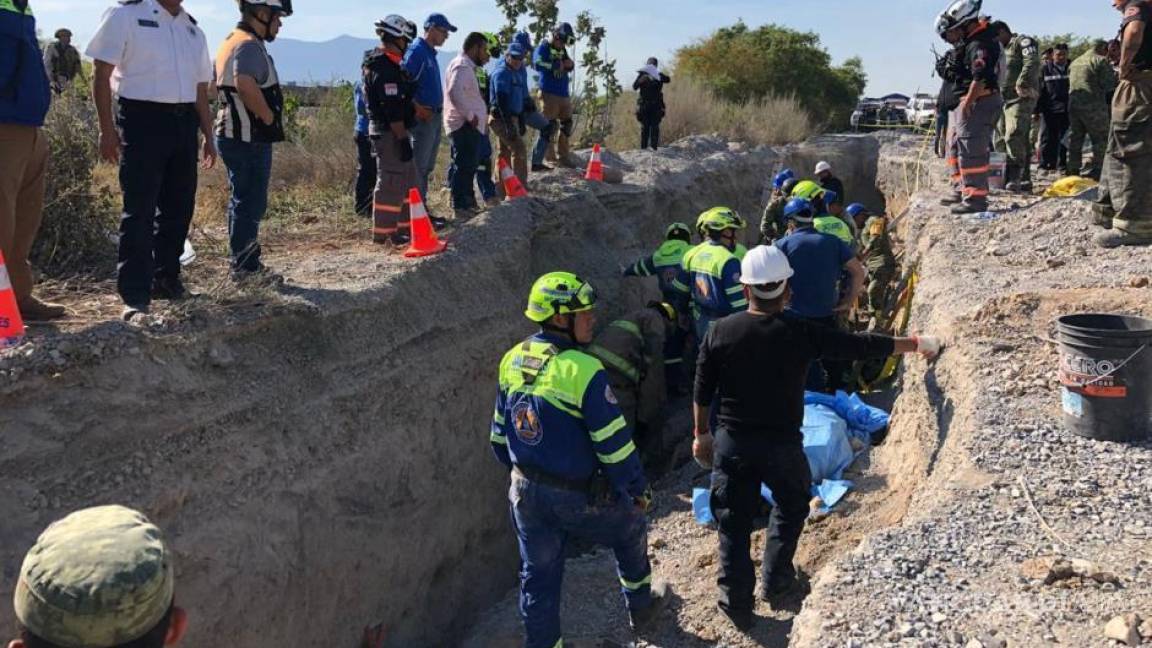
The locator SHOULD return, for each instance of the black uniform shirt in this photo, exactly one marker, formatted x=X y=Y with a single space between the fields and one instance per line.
x=759 y=363
x=979 y=61
x=388 y=91
x=1139 y=12
x=1054 y=92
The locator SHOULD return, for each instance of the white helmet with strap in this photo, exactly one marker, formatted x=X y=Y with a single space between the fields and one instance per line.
x=958 y=13
x=284 y=7
x=396 y=26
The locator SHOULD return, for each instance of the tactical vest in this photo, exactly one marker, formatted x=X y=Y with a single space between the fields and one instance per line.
x=542 y=370
x=67 y=62
x=234 y=120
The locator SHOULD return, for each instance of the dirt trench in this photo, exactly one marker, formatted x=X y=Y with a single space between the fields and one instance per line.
x=321 y=462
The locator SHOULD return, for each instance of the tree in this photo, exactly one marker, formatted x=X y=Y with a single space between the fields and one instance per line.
x=1077 y=45
x=742 y=64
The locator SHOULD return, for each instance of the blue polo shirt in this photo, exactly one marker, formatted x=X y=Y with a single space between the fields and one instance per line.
x=420 y=63
x=361 y=109
x=24 y=91
x=818 y=260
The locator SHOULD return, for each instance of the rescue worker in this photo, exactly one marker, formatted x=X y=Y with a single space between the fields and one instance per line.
x=710 y=272
x=423 y=67
x=664 y=264
x=1020 y=88
x=828 y=181
x=466 y=122
x=1125 y=206
x=250 y=120
x=649 y=85
x=24 y=100
x=153 y=58
x=365 y=161
x=832 y=220
x=632 y=351
x=754 y=363
x=574 y=467
x=62 y=61
x=554 y=68
x=1053 y=106
x=976 y=92
x=99 y=577
x=509 y=93
x=812 y=192
x=388 y=92
x=1091 y=82
x=773 y=224
x=821 y=293
x=876 y=252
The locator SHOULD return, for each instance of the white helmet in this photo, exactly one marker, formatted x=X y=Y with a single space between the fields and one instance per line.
x=396 y=26
x=822 y=166
x=284 y=7
x=958 y=13
x=765 y=264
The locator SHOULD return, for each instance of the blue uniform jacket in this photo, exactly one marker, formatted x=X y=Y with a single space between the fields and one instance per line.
x=550 y=74
x=24 y=91
x=567 y=422
x=710 y=273
x=420 y=63
x=361 y=109
x=509 y=89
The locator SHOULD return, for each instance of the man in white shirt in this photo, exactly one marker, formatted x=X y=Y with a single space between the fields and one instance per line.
x=154 y=57
x=466 y=121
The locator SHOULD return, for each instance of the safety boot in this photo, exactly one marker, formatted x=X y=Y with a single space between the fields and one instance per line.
x=951 y=199
x=1115 y=238
x=34 y=310
x=644 y=618
x=1012 y=178
x=966 y=208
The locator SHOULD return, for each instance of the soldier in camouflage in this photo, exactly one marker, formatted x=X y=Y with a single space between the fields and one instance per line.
x=98 y=578
x=1020 y=87
x=1092 y=82
x=1125 y=207
x=876 y=252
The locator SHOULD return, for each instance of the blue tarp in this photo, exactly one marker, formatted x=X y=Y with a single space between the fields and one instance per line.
x=829 y=423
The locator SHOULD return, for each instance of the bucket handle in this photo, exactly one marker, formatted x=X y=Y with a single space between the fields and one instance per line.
x=1107 y=375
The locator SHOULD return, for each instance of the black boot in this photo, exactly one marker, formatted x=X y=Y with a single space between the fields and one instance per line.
x=1026 y=177
x=1012 y=178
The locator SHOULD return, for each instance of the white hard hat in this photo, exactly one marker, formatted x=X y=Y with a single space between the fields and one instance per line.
x=823 y=166
x=765 y=264
x=957 y=14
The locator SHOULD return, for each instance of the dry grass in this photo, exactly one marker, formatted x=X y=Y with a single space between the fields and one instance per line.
x=693 y=109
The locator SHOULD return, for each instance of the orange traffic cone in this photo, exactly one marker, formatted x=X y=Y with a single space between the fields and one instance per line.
x=595 y=166
x=513 y=188
x=11 y=324
x=424 y=241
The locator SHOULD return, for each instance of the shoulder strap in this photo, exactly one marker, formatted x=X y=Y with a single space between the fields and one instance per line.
x=531 y=365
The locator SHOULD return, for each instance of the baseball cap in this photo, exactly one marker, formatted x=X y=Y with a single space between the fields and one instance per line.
x=438 y=20
x=98 y=577
x=516 y=51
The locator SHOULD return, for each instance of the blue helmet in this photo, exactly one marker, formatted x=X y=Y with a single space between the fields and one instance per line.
x=799 y=210
x=830 y=198
x=524 y=39
x=855 y=209
x=782 y=177
x=565 y=33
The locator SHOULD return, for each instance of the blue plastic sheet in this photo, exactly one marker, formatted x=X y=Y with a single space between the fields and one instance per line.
x=829 y=423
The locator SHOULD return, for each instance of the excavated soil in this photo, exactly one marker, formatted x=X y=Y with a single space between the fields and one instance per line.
x=319 y=457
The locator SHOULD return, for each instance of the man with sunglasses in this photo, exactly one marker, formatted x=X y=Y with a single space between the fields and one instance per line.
x=575 y=469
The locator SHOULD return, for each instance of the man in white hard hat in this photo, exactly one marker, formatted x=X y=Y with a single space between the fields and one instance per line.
x=828 y=181
x=756 y=362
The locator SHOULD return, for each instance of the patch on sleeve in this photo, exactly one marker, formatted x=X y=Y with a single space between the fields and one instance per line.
x=876 y=228
x=609 y=395
x=391 y=89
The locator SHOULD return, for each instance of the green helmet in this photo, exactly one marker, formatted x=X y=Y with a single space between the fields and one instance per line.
x=559 y=293
x=807 y=190
x=495 y=49
x=718 y=219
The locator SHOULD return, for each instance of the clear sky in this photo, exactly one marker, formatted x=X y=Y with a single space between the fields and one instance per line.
x=892 y=36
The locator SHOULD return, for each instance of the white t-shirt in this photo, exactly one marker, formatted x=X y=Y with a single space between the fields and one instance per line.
x=158 y=57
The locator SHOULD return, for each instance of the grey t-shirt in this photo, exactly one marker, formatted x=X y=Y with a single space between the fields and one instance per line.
x=251 y=61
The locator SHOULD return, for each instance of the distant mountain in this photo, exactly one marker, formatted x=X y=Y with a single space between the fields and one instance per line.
x=322 y=63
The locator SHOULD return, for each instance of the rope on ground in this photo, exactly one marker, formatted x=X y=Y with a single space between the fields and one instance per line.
x=1044 y=523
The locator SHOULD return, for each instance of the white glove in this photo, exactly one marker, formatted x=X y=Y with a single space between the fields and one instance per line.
x=928 y=345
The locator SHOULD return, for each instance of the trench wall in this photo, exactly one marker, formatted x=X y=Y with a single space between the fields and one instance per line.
x=326 y=465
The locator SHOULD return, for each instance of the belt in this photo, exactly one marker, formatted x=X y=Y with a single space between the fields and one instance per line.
x=154 y=106
x=541 y=477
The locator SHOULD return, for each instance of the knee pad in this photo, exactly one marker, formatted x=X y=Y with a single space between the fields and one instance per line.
x=566 y=127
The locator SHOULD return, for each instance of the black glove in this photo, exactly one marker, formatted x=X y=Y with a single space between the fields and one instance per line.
x=523 y=126
x=406 y=152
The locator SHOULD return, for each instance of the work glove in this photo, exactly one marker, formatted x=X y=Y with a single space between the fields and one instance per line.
x=928 y=346
x=406 y=152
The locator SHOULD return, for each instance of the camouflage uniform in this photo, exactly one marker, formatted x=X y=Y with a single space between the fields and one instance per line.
x=1092 y=82
x=99 y=577
x=876 y=248
x=1125 y=204
x=773 y=224
x=632 y=351
x=1013 y=135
